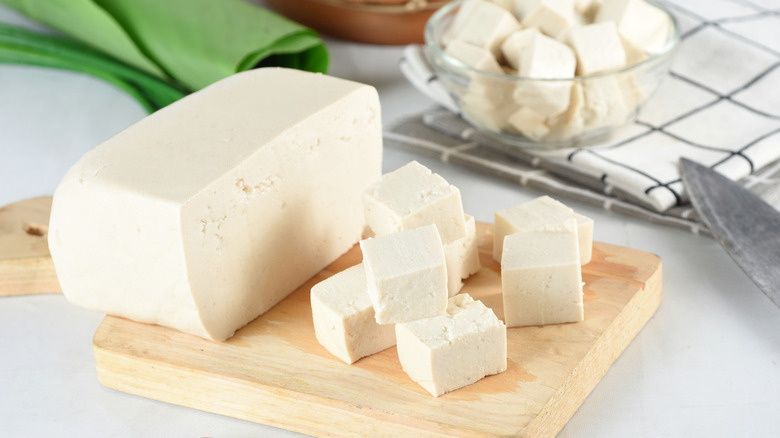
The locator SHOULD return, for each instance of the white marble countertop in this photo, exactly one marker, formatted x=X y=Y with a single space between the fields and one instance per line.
x=706 y=365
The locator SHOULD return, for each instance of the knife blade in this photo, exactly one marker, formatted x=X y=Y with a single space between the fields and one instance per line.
x=744 y=224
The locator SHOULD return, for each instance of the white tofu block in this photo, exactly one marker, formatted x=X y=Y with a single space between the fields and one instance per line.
x=513 y=46
x=639 y=22
x=487 y=26
x=541 y=278
x=552 y=17
x=634 y=55
x=605 y=102
x=598 y=48
x=473 y=56
x=570 y=123
x=542 y=213
x=208 y=212
x=462 y=257
x=406 y=274
x=464 y=12
x=529 y=123
x=413 y=196
x=455 y=349
x=545 y=58
x=344 y=317
x=506 y=4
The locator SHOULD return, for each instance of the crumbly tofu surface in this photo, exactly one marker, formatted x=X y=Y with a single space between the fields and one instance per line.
x=455 y=349
x=205 y=214
x=542 y=213
x=462 y=257
x=344 y=317
x=541 y=278
x=411 y=197
x=406 y=275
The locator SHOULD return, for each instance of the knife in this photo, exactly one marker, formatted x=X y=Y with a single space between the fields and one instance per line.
x=744 y=224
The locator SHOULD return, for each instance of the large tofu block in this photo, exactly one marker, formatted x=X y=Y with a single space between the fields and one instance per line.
x=208 y=212
x=406 y=274
x=545 y=58
x=541 y=278
x=487 y=25
x=344 y=317
x=462 y=257
x=455 y=349
x=542 y=213
x=552 y=17
x=598 y=48
x=642 y=24
x=413 y=196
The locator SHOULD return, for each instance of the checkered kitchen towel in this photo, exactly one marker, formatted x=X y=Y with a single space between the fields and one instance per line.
x=720 y=105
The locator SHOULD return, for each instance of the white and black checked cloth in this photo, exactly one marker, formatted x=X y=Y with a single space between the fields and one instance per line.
x=719 y=105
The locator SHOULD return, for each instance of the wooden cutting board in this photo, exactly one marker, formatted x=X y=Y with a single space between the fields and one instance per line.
x=25 y=264
x=274 y=372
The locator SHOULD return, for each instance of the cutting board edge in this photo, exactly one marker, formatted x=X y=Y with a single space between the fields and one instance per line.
x=611 y=344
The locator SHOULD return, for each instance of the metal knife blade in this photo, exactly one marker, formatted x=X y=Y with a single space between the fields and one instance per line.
x=744 y=224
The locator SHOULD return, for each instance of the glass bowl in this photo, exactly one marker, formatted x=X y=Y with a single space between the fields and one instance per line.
x=599 y=104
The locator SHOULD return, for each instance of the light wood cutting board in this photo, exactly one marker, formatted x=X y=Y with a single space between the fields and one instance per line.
x=274 y=372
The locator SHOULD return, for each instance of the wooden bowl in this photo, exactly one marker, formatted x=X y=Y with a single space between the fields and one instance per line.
x=388 y=22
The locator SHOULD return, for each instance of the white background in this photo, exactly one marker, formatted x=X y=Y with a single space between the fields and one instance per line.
x=706 y=365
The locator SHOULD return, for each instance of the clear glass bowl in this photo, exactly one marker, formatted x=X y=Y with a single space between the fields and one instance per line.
x=598 y=104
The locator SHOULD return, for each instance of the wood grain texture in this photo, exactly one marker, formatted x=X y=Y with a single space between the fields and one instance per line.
x=274 y=372
x=25 y=263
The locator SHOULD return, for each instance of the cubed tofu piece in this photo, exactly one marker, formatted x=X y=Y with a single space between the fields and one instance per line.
x=598 y=48
x=455 y=349
x=634 y=55
x=545 y=58
x=506 y=4
x=487 y=26
x=605 y=102
x=570 y=123
x=529 y=123
x=406 y=273
x=459 y=20
x=485 y=112
x=473 y=56
x=411 y=197
x=541 y=277
x=552 y=17
x=587 y=9
x=542 y=213
x=513 y=46
x=462 y=257
x=639 y=22
x=344 y=317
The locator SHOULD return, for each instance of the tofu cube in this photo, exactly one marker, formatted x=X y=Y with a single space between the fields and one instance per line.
x=570 y=123
x=587 y=9
x=541 y=278
x=542 y=213
x=459 y=20
x=344 y=317
x=513 y=46
x=413 y=196
x=634 y=55
x=406 y=274
x=605 y=102
x=462 y=257
x=546 y=58
x=473 y=56
x=455 y=349
x=487 y=26
x=552 y=17
x=529 y=123
x=485 y=112
x=639 y=22
x=598 y=48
